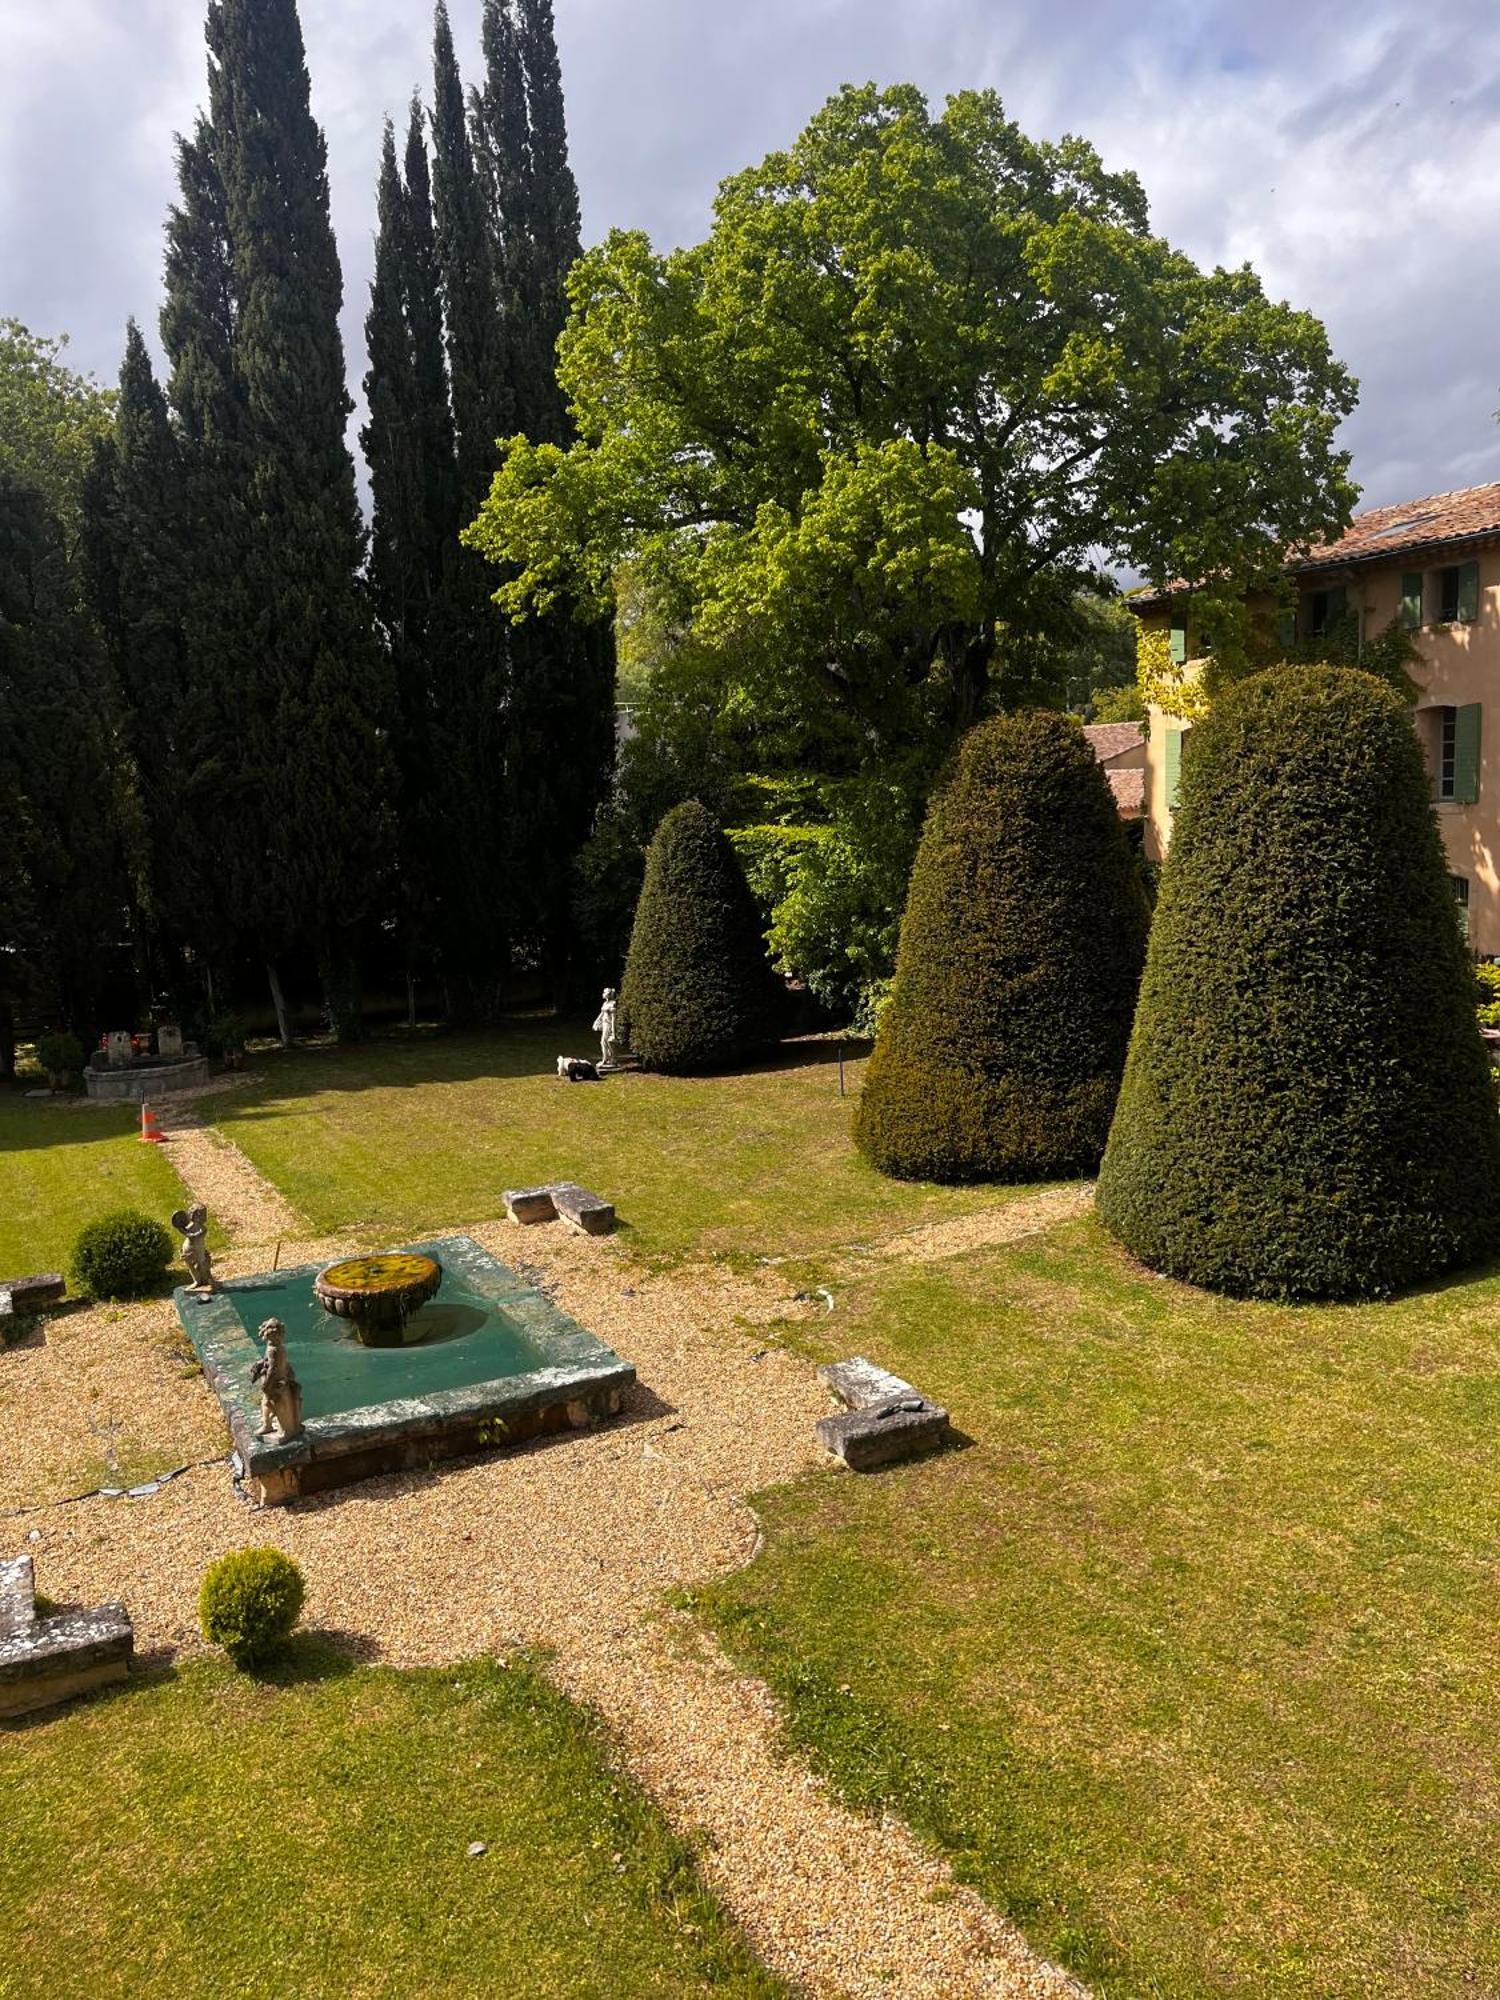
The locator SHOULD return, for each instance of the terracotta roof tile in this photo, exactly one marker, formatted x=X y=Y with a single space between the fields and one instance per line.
x=1462 y=515
x=1129 y=788
x=1113 y=739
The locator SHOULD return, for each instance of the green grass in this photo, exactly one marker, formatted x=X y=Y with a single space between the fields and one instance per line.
x=403 y=1136
x=1192 y=1660
x=209 y=1835
x=62 y=1166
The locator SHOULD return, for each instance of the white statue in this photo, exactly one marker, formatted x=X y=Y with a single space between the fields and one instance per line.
x=280 y=1391
x=604 y=1028
x=193 y=1223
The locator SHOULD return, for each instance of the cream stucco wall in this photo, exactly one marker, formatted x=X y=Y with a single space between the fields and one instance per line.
x=1460 y=664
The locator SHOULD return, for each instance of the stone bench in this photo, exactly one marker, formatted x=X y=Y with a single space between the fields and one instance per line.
x=47 y=1660
x=575 y=1205
x=884 y=1419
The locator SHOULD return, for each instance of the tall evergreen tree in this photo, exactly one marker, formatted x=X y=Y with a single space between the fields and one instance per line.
x=139 y=537
x=469 y=644
x=324 y=763
x=560 y=737
x=408 y=443
x=63 y=885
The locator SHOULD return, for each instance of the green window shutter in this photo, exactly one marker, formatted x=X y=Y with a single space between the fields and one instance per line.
x=1338 y=604
x=1466 y=754
x=1178 y=639
x=1172 y=764
x=1411 y=600
x=1286 y=630
x=1468 y=592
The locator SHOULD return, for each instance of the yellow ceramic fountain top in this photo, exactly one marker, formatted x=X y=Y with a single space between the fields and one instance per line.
x=394 y=1273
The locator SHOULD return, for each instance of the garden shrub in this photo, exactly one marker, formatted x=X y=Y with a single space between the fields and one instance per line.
x=698 y=989
x=1306 y=1111
x=249 y=1602
x=121 y=1255
x=61 y=1058
x=1001 y=1046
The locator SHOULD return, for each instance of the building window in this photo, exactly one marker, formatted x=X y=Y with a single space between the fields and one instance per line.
x=1457 y=593
x=1460 y=887
x=1447 y=765
x=1324 y=609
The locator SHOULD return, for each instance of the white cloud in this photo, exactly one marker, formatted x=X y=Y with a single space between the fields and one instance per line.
x=1350 y=151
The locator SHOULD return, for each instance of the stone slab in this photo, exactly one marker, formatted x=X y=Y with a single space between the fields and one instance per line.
x=884 y=1433
x=530 y=1205
x=17 y=1596
x=859 y=1384
x=54 y=1659
x=28 y=1294
x=582 y=1210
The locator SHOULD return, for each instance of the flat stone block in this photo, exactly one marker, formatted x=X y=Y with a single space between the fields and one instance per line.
x=859 y=1384
x=27 y=1294
x=530 y=1205
x=884 y=1433
x=582 y=1210
x=53 y=1659
x=17 y=1596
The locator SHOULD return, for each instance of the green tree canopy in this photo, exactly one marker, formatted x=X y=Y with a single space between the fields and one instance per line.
x=50 y=417
x=921 y=373
x=1307 y=1108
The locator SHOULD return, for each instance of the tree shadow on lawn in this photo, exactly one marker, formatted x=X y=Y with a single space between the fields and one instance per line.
x=525 y=1052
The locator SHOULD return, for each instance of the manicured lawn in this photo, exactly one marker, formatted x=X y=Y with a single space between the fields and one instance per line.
x=407 y=1135
x=209 y=1835
x=1192 y=1661
x=60 y=1167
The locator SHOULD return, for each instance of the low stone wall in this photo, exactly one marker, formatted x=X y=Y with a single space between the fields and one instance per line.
x=137 y=1085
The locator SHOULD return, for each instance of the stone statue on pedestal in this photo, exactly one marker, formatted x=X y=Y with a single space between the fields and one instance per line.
x=193 y=1223
x=605 y=1029
x=280 y=1391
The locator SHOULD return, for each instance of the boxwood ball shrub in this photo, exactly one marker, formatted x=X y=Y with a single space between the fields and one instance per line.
x=1000 y=1050
x=1307 y=1111
x=248 y=1603
x=698 y=991
x=122 y=1255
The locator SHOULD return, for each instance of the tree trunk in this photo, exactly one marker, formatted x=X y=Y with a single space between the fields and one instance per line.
x=411 y=999
x=7 y=1042
x=278 y=1001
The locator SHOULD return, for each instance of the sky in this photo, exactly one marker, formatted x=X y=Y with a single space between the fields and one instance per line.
x=1348 y=149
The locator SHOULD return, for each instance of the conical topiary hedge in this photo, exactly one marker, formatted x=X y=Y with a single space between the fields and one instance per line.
x=1307 y=1109
x=698 y=990
x=1000 y=1052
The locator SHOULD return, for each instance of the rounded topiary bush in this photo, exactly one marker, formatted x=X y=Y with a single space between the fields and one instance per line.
x=249 y=1602
x=61 y=1057
x=1307 y=1109
x=698 y=990
x=121 y=1255
x=1000 y=1050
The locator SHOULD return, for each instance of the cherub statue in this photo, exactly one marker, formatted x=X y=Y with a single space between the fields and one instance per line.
x=193 y=1223
x=280 y=1391
x=604 y=1028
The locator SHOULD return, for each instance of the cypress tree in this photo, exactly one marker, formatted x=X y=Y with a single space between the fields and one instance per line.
x=560 y=746
x=698 y=990
x=63 y=885
x=1000 y=1052
x=326 y=766
x=139 y=536
x=408 y=443
x=470 y=639
x=1307 y=1109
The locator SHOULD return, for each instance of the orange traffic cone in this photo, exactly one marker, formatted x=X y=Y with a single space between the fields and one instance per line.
x=151 y=1132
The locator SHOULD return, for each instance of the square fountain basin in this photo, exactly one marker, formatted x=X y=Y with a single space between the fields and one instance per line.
x=502 y=1364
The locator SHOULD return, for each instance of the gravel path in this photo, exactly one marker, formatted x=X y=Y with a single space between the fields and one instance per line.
x=935 y=1241
x=569 y=1544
